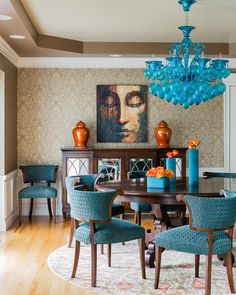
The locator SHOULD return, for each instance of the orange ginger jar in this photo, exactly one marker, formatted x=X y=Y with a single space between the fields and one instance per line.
x=163 y=134
x=81 y=135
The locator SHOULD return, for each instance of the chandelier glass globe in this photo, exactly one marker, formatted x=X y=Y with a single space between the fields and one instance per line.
x=187 y=78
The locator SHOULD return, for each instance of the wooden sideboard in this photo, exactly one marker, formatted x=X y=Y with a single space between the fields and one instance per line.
x=115 y=163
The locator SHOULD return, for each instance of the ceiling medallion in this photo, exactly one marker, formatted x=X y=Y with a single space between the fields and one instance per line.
x=187 y=77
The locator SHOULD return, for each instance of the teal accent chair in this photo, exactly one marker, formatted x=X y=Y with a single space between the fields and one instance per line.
x=138 y=208
x=88 y=182
x=98 y=226
x=38 y=176
x=206 y=234
x=228 y=193
x=219 y=174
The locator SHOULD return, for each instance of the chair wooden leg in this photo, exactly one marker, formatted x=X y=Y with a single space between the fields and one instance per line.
x=94 y=264
x=158 y=250
x=109 y=255
x=122 y=216
x=136 y=217
x=230 y=272
x=76 y=258
x=197 y=259
x=49 y=207
x=72 y=230
x=142 y=256
x=102 y=249
x=208 y=274
x=54 y=208
x=31 y=208
x=139 y=218
x=20 y=209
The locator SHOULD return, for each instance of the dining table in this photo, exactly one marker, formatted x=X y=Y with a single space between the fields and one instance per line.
x=164 y=201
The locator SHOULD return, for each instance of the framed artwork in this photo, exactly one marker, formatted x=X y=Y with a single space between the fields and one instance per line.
x=122 y=113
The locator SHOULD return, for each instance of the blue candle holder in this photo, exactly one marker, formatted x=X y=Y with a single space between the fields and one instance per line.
x=171 y=165
x=193 y=165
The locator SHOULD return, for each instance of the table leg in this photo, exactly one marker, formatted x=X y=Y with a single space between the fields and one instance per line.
x=222 y=257
x=161 y=222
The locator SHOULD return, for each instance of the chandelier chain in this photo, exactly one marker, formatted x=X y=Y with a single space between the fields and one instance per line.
x=186 y=18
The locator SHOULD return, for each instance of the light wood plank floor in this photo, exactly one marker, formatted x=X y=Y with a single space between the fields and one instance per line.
x=23 y=258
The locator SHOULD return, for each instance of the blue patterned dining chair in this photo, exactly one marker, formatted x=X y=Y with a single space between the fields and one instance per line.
x=40 y=177
x=88 y=182
x=219 y=174
x=209 y=218
x=138 y=208
x=94 y=209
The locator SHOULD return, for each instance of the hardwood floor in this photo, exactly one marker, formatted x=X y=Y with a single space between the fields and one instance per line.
x=23 y=258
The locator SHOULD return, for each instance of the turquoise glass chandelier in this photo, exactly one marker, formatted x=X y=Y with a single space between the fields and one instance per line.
x=187 y=77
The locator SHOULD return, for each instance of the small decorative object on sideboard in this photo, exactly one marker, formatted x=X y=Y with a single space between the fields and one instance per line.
x=171 y=163
x=159 y=177
x=81 y=135
x=193 y=161
x=163 y=134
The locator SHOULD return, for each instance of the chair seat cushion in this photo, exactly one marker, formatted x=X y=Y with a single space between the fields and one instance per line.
x=117 y=209
x=184 y=239
x=141 y=207
x=38 y=191
x=116 y=231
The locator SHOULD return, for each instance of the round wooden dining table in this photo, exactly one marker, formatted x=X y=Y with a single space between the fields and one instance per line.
x=137 y=191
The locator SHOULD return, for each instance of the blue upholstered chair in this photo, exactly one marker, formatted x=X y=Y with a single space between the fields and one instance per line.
x=228 y=193
x=98 y=227
x=219 y=174
x=38 y=176
x=205 y=234
x=89 y=181
x=138 y=208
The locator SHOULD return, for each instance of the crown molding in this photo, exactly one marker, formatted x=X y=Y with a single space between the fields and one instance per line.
x=91 y=62
x=8 y=52
x=82 y=62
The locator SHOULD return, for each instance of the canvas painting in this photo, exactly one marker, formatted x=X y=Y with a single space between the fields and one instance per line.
x=122 y=113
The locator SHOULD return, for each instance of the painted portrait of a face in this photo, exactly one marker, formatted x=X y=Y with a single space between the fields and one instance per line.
x=122 y=113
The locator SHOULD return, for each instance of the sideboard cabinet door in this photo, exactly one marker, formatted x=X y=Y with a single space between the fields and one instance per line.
x=74 y=163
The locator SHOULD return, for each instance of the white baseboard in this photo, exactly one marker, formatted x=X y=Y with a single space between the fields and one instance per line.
x=8 y=199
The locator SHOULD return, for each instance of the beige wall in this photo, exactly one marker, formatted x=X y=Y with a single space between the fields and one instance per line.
x=10 y=113
x=52 y=101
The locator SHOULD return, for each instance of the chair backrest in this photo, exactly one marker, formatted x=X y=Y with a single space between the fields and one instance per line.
x=219 y=174
x=227 y=193
x=39 y=173
x=210 y=213
x=136 y=174
x=88 y=180
x=90 y=205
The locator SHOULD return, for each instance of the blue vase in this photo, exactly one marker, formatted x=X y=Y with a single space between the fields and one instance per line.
x=154 y=182
x=193 y=166
x=171 y=165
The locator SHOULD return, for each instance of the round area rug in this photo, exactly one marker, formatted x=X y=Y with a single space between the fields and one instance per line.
x=124 y=275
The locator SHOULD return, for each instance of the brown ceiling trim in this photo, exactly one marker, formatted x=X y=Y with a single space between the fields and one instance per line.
x=145 y=48
x=132 y=48
x=23 y=15
x=57 y=43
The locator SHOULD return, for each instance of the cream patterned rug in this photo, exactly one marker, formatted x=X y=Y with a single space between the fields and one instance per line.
x=124 y=276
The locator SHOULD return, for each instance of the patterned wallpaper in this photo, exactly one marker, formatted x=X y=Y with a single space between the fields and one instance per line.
x=52 y=101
